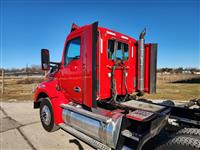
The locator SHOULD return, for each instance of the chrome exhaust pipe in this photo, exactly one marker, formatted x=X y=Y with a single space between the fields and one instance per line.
x=141 y=49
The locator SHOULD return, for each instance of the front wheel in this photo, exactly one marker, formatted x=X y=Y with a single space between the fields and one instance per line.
x=46 y=115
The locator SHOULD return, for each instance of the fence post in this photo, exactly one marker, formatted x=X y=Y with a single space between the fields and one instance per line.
x=2 y=86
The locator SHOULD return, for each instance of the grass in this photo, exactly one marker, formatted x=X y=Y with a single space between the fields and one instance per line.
x=175 y=87
x=175 y=91
x=19 y=88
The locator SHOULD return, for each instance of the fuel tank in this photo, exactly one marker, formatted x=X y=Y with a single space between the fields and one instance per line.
x=104 y=129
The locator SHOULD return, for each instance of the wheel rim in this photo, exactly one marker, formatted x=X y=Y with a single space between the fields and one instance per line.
x=46 y=115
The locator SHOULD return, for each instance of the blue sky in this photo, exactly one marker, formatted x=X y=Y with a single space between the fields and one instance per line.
x=29 y=25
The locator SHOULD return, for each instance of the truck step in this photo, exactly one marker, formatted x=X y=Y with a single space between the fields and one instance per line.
x=131 y=135
x=96 y=144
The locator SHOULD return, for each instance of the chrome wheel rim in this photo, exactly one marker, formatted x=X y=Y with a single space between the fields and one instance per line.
x=46 y=115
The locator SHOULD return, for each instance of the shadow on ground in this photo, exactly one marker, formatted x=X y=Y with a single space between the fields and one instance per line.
x=75 y=141
x=189 y=81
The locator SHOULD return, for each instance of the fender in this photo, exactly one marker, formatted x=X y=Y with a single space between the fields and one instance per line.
x=48 y=88
x=56 y=96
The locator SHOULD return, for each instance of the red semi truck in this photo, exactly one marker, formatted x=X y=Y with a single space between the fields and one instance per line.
x=93 y=94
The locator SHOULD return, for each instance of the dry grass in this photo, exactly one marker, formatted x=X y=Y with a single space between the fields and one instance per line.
x=177 y=87
x=29 y=80
x=20 y=88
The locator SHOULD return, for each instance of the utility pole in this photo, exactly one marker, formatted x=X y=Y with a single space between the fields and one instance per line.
x=26 y=69
x=2 y=86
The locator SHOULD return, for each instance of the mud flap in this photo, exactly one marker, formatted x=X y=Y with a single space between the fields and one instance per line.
x=150 y=67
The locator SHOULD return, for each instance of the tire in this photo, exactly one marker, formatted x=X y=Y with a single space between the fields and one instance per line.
x=168 y=103
x=46 y=115
x=181 y=142
x=189 y=131
x=198 y=102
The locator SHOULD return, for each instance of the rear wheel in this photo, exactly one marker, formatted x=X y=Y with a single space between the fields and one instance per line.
x=189 y=131
x=46 y=115
x=181 y=142
x=168 y=103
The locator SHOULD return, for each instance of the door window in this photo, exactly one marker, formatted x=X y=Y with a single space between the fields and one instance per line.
x=73 y=50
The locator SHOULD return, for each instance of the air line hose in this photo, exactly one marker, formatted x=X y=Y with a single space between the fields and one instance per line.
x=125 y=84
x=113 y=82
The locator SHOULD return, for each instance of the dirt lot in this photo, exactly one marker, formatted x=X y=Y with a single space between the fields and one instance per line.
x=175 y=87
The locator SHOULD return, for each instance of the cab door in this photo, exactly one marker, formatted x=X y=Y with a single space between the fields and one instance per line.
x=71 y=72
x=78 y=72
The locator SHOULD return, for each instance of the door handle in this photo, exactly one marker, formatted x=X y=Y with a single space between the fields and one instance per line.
x=77 y=89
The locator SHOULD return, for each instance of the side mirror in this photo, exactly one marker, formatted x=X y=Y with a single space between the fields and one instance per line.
x=45 y=59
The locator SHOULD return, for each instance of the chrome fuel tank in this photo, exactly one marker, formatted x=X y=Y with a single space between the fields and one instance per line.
x=103 y=129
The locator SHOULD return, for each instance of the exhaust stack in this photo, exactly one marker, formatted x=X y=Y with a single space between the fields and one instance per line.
x=140 y=67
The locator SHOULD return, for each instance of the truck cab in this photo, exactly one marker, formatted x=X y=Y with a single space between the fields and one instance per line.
x=92 y=92
x=98 y=63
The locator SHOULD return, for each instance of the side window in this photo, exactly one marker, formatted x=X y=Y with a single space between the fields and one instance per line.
x=117 y=50
x=73 y=50
x=125 y=52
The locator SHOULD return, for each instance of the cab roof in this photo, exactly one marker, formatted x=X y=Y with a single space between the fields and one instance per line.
x=102 y=30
